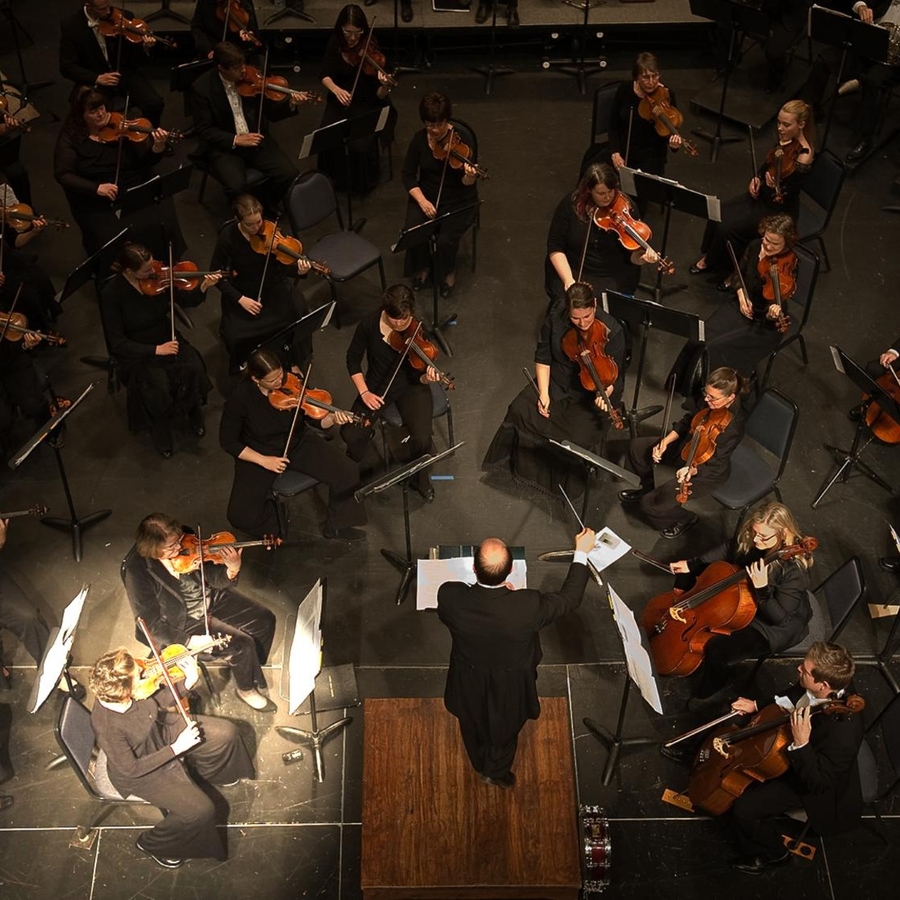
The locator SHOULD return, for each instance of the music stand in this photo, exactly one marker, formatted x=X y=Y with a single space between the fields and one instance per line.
x=579 y=69
x=307 y=324
x=164 y=12
x=641 y=672
x=847 y=33
x=852 y=458
x=419 y=234
x=341 y=133
x=406 y=564
x=738 y=18
x=671 y=196
x=490 y=70
x=73 y=524
x=648 y=314
x=15 y=26
x=290 y=10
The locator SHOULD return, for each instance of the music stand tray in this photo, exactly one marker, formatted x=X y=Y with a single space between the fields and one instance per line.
x=156 y=189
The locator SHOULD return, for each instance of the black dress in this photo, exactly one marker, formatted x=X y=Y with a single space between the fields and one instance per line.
x=38 y=297
x=421 y=169
x=207 y=28
x=521 y=442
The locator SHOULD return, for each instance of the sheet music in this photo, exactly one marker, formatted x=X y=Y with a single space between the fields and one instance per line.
x=432 y=573
x=640 y=668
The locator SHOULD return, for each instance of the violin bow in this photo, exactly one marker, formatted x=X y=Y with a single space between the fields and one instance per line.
x=403 y=356
x=3 y=227
x=628 y=141
x=203 y=581
x=227 y=20
x=171 y=293
x=702 y=728
x=170 y=684
x=362 y=58
x=737 y=269
x=753 y=163
x=290 y=437
x=644 y=557
x=262 y=93
x=121 y=146
x=587 y=238
x=265 y=270
x=448 y=137
x=670 y=399
x=9 y=315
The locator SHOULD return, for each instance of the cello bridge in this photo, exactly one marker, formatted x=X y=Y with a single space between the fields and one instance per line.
x=676 y=613
x=720 y=745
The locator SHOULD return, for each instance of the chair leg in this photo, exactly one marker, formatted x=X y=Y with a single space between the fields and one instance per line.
x=381 y=273
x=213 y=692
x=450 y=425
x=203 y=179
x=803 y=352
x=824 y=254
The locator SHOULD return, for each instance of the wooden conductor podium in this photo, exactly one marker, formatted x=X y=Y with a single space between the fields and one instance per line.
x=431 y=830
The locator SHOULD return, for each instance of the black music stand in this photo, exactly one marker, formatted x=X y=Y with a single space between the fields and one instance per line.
x=308 y=324
x=291 y=8
x=852 y=458
x=849 y=34
x=154 y=191
x=15 y=26
x=74 y=525
x=419 y=234
x=490 y=71
x=738 y=18
x=406 y=564
x=340 y=134
x=578 y=68
x=648 y=314
x=164 y=12
x=671 y=196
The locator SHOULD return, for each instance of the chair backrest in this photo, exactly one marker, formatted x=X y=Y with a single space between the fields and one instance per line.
x=842 y=590
x=772 y=424
x=822 y=186
x=311 y=200
x=807 y=276
x=868 y=772
x=467 y=135
x=819 y=625
x=603 y=104
x=75 y=736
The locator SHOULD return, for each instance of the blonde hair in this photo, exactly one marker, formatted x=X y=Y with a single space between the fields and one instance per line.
x=112 y=677
x=778 y=516
x=803 y=113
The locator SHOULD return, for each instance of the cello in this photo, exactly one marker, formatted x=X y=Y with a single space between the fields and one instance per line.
x=679 y=623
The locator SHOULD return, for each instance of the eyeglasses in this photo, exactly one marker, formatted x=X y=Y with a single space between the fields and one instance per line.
x=349 y=32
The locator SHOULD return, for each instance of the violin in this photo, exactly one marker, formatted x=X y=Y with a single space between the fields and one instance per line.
x=151 y=677
x=135 y=130
x=657 y=107
x=597 y=370
x=422 y=352
x=21 y=218
x=706 y=427
x=315 y=402
x=779 y=285
x=15 y=326
x=371 y=60
x=882 y=425
x=457 y=154
x=186 y=276
x=680 y=623
x=117 y=24
x=286 y=250
x=36 y=511
x=189 y=554
x=633 y=234
x=733 y=758
x=781 y=162
x=273 y=87
x=238 y=20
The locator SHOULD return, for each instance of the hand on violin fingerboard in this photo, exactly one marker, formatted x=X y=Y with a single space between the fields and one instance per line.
x=675 y=141
x=431 y=375
x=759 y=573
x=685 y=473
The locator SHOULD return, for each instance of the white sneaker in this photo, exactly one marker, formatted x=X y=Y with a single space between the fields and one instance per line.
x=253 y=698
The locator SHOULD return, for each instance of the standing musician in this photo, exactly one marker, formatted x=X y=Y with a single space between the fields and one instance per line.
x=383 y=383
x=355 y=86
x=233 y=128
x=779 y=591
x=563 y=408
x=266 y=438
x=720 y=421
x=95 y=171
x=173 y=605
x=162 y=371
x=108 y=63
x=435 y=188
x=148 y=744
x=208 y=25
x=262 y=296
x=766 y=194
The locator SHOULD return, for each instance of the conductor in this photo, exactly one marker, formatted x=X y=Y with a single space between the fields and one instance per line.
x=492 y=680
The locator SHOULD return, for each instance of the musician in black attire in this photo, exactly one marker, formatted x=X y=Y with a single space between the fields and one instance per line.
x=11 y=165
x=208 y=29
x=410 y=390
x=255 y=432
x=562 y=409
x=163 y=376
x=429 y=181
x=108 y=64
x=723 y=391
x=253 y=310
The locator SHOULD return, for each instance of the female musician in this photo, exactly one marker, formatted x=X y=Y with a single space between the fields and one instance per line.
x=741 y=215
x=723 y=391
x=339 y=75
x=779 y=590
x=253 y=307
x=255 y=432
x=208 y=24
x=145 y=740
x=410 y=390
x=607 y=264
x=95 y=174
x=162 y=375
x=430 y=181
x=562 y=409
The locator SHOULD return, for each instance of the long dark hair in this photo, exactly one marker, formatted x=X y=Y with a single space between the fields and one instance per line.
x=353 y=15
x=86 y=100
x=594 y=174
x=261 y=362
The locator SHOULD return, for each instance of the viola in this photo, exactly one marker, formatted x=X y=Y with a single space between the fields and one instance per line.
x=781 y=162
x=779 y=285
x=238 y=20
x=187 y=277
x=21 y=217
x=633 y=234
x=371 y=60
x=189 y=553
x=315 y=402
x=457 y=154
x=733 y=758
x=274 y=87
x=597 y=371
x=882 y=425
x=135 y=130
x=657 y=107
x=680 y=623
x=422 y=352
x=286 y=250
x=14 y=327
x=117 y=24
x=706 y=428
x=151 y=677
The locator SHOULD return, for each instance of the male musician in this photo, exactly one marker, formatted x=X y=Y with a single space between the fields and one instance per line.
x=232 y=134
x=823 y=777
x=492 y=680
x=176 y=611
x=208 y=25
x=108 y=64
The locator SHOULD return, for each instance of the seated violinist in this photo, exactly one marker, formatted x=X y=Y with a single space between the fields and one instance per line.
x=208 y=24
x=172 y=604
x=777 y=588
x=721 y=418
x=233 y=134
x=563 y=408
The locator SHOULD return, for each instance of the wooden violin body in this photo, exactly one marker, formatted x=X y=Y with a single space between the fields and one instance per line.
x=21 y=217
x=135 y=130
x=781 y=161
x=117 y=24
x=273 y=87
x=152 y=679
x=187 y=277
x=597 y=371
x=706 y=428
x=315 y=402
x=189 y=555
x=657 y=107
x=238 y=20
x=633 y=234
x=287 y=250
x=457 y=154
x=14 y=326
x=422 y=352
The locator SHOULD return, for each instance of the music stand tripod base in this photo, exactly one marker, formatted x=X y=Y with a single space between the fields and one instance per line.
x=164 y=12
x=490 y=71
x=314 y=739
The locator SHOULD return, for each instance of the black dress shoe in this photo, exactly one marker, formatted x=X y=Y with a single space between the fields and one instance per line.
x=859 y=151
x=681 y=755
x=890 y=563
x=855 y=414
x=697 y=270
x=631 y=495
x=507 y=782
x=165 y=861
x=756 y=865
x=195 y=420
x=419 y=283
x=482 y=13
x=161 y=434
x=447 y=289
x=674 y=531
x=427 y=493
x=513 y=14
x=406 y=12
x=6 y=801
x=724 y=286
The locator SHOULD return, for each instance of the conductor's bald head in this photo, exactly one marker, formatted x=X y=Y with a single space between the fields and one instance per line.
x=493 y=562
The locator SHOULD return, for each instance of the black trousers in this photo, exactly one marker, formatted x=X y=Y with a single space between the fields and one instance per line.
x=754 y=816
x=229 y=168
x=20 y=388
x=418 y=259
x=492 y=760
x=722 y=651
